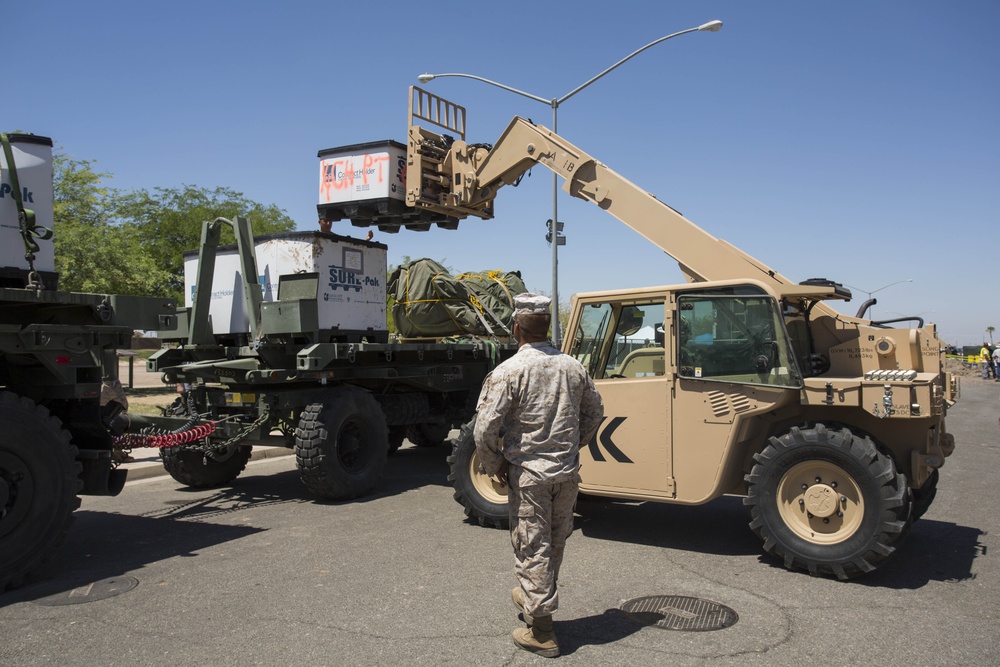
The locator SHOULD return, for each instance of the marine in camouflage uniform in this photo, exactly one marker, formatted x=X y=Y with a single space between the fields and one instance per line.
x=534 y=412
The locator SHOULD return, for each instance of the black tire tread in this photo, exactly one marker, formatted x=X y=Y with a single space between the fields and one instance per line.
x=315 y=451
x=474 y=505
x=18 y=560
x=894 y=510
x=188 y=466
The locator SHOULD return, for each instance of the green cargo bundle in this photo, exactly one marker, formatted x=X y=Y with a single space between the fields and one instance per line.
x=431 y=303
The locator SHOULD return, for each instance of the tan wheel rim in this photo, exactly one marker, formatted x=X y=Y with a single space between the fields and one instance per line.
x=486 y=486
x=820 y=502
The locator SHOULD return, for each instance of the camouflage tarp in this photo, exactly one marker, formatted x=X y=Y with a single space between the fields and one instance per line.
x=430 y=302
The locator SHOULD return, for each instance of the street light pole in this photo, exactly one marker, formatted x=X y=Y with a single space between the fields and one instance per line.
x=711 y=26
x=874 y=291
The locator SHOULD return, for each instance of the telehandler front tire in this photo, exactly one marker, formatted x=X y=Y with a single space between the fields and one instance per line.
x=483 y=499
x=827 y=501
x=342 y=444
x=39 y=482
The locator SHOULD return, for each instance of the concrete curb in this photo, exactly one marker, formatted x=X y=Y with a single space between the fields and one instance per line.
x=147 y=461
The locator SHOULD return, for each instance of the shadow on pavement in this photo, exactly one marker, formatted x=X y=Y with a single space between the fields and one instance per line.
x=933 y=551
x=609 y=627
x=413 y=467
x=719 y=527
x=103 y=545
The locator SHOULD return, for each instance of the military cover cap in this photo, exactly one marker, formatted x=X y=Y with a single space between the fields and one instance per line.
x=527 y=303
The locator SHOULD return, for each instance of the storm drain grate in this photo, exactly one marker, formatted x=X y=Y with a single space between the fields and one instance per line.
x=679 y=612
x=90 y=592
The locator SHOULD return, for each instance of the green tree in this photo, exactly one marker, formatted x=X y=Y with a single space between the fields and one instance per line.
x=168 y=221
x=92 y=253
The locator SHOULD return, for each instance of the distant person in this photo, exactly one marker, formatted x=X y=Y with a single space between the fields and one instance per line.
x=535 y=411
x=996 y=363
x=985 y=359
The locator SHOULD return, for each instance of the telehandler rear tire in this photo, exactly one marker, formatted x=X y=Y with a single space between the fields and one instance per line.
x=195 y=469
x=484 y=500
x=39 y=482
x=827 y=501
x=342 y=444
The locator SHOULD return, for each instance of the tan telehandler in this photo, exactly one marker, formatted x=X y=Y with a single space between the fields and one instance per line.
x=739 y=381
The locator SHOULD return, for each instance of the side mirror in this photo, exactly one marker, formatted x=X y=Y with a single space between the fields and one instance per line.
x=630 y=321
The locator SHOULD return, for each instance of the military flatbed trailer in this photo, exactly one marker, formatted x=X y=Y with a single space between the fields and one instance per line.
x=343 y=405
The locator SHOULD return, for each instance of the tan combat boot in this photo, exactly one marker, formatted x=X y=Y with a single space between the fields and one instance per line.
x=518 y=597
x=539 y=639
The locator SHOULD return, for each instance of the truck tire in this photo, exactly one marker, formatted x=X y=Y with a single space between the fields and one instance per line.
x=341 y=444
x=484 y=500
x=193 y=468
x=39 y=482
x=428 y=434
x=827 y=501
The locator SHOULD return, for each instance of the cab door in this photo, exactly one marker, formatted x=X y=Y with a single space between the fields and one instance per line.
x=621 y=344
x=734 y=362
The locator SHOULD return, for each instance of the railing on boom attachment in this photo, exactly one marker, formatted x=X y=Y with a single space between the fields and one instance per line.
x=437 y=165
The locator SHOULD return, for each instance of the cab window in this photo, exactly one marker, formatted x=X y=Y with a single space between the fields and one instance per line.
x=621 y=340
x=734 y=339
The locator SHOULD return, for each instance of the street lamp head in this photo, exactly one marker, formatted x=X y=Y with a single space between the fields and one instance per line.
x=711 y=26
x=425 y=78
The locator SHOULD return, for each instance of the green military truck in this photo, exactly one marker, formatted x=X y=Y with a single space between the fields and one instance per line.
x=57 y=353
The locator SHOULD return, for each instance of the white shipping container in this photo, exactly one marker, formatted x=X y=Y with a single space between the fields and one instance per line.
x=362 y=172
x=33 y=159
x=352 y=293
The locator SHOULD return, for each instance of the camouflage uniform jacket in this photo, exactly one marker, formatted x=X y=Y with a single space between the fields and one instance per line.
x=546 y=406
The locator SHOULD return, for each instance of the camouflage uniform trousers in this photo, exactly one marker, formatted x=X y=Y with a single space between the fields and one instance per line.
x=541 y=519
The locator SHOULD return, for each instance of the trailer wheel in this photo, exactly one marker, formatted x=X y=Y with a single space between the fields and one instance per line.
x=483 y=499
x=195 y=468
x=397 y=434
x=39 y=480
x=827 y=501
x=428 y=434
x=342 y=444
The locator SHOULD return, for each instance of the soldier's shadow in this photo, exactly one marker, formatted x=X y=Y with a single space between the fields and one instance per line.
x=605 y=628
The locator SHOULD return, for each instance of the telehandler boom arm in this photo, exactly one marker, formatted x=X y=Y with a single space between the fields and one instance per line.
x=456 y=179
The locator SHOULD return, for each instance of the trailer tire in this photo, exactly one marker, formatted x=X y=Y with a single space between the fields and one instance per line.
x=428 y=434
x=397 y=434
x=341 y=444
x=483 y=500
x=39 y=482
x=194 y=468
x=827 y=501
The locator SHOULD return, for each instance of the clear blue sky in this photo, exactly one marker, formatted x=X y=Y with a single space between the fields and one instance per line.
x=856 y=141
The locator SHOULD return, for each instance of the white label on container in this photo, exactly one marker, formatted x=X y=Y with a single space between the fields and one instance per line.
x=358 y=177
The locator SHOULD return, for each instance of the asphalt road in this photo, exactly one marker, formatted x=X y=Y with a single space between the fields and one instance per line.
x=262 y=574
